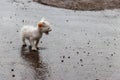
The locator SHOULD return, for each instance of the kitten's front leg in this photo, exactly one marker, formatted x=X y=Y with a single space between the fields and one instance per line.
x=36 y=44
x=33 y=45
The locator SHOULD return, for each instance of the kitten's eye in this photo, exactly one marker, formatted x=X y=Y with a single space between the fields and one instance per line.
x=43 y=22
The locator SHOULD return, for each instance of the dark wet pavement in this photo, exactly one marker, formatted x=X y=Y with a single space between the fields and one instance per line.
x=83 y=45
x=34 y=60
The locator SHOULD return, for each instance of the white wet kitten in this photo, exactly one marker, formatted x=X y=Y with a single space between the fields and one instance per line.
x=33 y=34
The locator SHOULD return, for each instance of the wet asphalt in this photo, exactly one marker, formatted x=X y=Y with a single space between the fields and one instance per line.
x=83 y=45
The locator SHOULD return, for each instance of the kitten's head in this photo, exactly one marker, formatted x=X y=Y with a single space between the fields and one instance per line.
x=44 y=26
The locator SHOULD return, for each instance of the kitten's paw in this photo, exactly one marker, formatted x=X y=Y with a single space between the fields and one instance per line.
x=37 y=48
x=34 y=49
x=24 y=45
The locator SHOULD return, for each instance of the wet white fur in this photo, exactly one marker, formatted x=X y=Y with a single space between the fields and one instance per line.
x=33 y=34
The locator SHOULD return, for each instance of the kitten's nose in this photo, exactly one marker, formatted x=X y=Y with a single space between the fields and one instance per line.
x=49 y=29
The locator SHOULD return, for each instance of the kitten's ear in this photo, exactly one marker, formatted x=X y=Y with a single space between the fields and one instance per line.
x=43 y=19
x=40 y=25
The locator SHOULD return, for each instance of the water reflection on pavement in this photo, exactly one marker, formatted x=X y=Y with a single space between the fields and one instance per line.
x=33 y=58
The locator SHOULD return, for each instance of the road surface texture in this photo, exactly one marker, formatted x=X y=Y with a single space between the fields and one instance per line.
x=83 y=45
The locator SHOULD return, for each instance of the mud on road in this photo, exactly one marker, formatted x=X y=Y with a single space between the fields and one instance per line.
x=83 y=4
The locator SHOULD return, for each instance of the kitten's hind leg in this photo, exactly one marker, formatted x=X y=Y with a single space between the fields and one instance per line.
x=24 y=43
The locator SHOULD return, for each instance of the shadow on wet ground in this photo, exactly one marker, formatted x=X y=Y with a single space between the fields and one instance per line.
x=35 y=61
